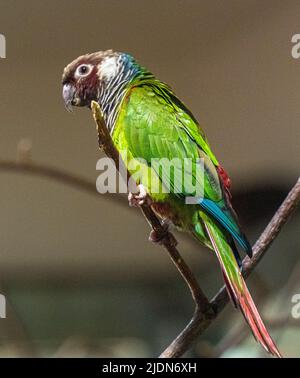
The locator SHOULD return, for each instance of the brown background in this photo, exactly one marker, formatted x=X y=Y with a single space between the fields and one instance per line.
x=229 y=61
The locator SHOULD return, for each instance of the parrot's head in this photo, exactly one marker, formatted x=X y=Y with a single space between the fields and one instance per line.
x=83 y=78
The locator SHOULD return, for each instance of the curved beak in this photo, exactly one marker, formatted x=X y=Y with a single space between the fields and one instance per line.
x=68 y=96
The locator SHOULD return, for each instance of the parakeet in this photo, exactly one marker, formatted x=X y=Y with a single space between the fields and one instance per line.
x=148 y=121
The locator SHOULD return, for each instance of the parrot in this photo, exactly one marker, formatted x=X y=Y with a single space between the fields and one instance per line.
x=146 y=121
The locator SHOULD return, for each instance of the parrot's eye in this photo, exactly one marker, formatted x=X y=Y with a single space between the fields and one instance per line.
x=83 y=70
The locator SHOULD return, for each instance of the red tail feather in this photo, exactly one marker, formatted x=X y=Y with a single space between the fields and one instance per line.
x=244 y=301
x=241 y=298
x=255 y=322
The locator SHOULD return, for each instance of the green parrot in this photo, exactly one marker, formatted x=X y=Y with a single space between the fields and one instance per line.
x=148 y=122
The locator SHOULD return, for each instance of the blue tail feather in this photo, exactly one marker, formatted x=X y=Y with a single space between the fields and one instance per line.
x=223 y=216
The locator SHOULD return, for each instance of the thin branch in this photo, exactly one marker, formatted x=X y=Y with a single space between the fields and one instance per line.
x=201 y=321
x=168 y=241
x=60 y=175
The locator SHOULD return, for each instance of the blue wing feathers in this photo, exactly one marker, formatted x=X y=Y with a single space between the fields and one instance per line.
x=224 y=217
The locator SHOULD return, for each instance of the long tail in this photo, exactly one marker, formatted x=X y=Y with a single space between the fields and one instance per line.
x=236 y=286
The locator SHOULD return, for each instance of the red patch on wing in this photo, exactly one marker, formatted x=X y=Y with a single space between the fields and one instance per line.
x=225 y=179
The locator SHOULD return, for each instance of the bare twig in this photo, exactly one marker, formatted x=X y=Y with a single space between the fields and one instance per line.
x=168 y=241
x=197 y=326
x=201 y=320
x=42 y=170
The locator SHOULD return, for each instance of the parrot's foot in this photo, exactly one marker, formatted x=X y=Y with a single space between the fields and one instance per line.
x=164 y=236
x=139 y=199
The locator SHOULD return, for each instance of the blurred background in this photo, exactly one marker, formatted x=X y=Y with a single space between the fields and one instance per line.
x=78 y=273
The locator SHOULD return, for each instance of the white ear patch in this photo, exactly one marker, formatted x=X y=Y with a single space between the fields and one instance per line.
x=108 y=68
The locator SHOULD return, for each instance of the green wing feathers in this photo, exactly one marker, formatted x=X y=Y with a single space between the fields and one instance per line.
x=155 y=127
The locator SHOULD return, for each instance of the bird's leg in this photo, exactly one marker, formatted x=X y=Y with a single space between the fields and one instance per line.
x=159 y=237
x=140 y=198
